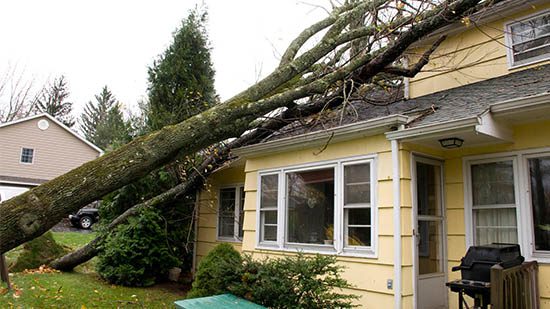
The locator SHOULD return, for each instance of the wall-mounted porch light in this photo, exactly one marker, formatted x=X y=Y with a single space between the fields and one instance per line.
x=452 y=142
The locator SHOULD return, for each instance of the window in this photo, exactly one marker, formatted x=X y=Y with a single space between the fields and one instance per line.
x=357 y=207
x=529 y=39
x=310 y=206
x=539 y=180
x=509 y=202
x=493 y=202
x=27 y=155
x=230 y=213
x=327 y=207
x=268 y=207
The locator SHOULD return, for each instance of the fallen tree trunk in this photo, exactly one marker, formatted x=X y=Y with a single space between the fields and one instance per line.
x=194 y=181
x=37 y=210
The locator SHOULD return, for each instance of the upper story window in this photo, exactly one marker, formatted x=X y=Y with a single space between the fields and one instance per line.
x=328 y=207
x=27 y=155
x=231 y=213
x=529 y=39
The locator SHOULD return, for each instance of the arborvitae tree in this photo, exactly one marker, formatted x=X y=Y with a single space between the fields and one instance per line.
x=181 y=80
x=53 y=101
x=102 y=122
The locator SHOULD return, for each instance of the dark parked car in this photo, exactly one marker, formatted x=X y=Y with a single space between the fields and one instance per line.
x=85 y=218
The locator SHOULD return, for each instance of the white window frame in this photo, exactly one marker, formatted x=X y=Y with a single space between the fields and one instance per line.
x=236 y=226
x=509 y=43
x=32 y=158
x=469 y=197
x=523 y=199
x=543 y=256
x=337 y=247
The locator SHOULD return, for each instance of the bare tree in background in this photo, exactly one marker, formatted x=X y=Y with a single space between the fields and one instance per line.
x=17 y=94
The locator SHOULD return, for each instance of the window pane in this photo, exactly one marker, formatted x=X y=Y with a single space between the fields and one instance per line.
x=270 y=217
x=226 y=225
x=357 y=183
x=493 y=183
x=495 y=226
x=358 y=236
x=429 y=247
x=539 y=171
x=227 y=200
x=310 y=206
x=358 y=216
x=270 y=233
x=270 y=184
x=226 y=213
x=428 y=189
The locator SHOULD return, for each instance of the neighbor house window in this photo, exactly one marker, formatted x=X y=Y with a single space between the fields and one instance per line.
x=529 y=39
x=230 y=213
x=539 y=185
x=326 y=207
x=494 y=202
x=27 y=155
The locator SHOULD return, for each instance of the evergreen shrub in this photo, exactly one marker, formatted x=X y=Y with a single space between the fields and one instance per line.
x=137 y=253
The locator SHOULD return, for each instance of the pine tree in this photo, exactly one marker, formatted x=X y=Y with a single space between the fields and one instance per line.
x=102 y=122
x=53 y=101
x=181 y=81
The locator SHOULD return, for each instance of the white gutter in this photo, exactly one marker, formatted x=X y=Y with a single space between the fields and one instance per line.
x=440 y=127
x=521 y=104
x=396 y=180
x=319 y=138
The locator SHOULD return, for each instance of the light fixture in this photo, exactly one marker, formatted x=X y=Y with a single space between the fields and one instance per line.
x=451 y=142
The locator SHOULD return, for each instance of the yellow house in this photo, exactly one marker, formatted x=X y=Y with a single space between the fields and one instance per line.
x=401 y=192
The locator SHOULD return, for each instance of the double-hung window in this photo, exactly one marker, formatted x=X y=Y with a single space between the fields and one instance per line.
x=231 y=213
x=510 y=202
x=528 y=40
x=539 y=198
x=27 y=155
x=326 y=207
x=494 y=202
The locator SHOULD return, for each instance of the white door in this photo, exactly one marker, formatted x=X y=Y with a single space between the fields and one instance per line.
x=429 y=235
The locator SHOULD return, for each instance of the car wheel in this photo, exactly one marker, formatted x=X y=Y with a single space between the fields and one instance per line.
x=86 y=222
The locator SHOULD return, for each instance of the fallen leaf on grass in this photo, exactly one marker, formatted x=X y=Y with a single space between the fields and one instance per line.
x=3 y=291
x=41 y=270
x=17 y=293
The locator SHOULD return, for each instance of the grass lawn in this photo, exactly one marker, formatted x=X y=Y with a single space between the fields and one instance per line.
x=81 y=288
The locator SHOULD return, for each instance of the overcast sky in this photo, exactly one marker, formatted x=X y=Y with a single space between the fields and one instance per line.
x=101 y=42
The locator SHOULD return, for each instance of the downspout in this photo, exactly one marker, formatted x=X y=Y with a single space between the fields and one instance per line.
x=396 y=177
x=195 y=232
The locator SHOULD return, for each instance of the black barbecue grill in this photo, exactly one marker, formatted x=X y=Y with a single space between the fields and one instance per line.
x=475 y=268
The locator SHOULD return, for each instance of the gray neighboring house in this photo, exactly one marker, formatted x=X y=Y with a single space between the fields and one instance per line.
x=36 y=149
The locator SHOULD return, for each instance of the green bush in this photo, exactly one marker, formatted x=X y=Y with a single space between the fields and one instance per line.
x=137 y=253
x=37 y=252
x=217 y=271
x=294 y=282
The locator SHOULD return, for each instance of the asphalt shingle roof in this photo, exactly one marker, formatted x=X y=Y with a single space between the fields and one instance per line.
x=452 y=104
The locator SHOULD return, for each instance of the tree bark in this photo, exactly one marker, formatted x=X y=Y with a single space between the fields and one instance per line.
x=194 y=181
x=37 y=210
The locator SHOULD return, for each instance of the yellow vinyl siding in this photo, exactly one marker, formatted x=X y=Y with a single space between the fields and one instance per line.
x=474 y=55
x=368 y=275
x=207 y=237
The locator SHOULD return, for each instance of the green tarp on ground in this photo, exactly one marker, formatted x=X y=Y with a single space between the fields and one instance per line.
x=217 y=301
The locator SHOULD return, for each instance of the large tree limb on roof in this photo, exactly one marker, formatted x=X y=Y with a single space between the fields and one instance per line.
x=37 y=210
